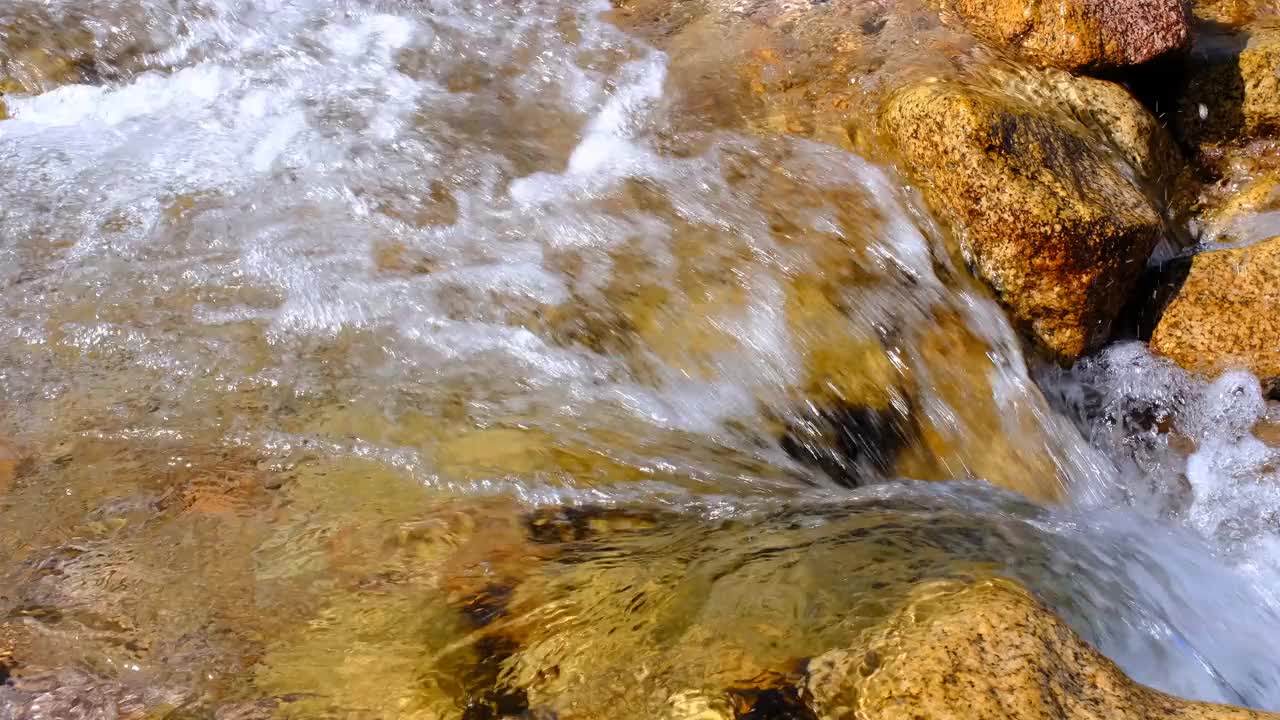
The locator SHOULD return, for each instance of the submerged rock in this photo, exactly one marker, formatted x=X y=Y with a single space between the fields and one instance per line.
x=897 y=611
x=1053 y=221
x=1080 y=34
x=965 y=431
x=678 y=617
x=43 y=47
x=1233 y=86
x=1224 y=315
x=1233 y=12
x=35 y=57
x=985 y=651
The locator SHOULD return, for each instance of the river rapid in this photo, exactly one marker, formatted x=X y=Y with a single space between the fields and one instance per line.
x=299 y=299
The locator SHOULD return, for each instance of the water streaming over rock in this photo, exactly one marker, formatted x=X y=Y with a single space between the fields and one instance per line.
x=335 y=335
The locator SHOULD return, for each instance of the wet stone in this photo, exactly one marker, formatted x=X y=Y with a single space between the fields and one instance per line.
x=1223 y=316
x=1054 y=223
x=8 y=466
x=1080 y=35
x=1242 y=204
x=702 y=627
x=1233 y=12
x=992 y=649
x=416 y=361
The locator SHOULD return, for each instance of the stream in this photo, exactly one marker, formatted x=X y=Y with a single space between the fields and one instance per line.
x=316 y=315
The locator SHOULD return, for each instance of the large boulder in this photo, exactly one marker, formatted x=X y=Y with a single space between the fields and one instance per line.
x=985 y=651
x=1233 y=86
x=1224 y=314
x=1048 y=212
x=1080 y=34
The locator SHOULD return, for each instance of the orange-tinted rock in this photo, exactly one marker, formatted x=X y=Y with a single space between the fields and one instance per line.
x=1244 y=206
x=1080 y=34
x=1225 y=315
x=977 y=437
x=8 y=467
x=1053 y=221
x=986 y=651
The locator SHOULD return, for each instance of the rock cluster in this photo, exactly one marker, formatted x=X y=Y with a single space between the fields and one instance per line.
x=1220 y=310
x=1058 y=190
x=1058 y=187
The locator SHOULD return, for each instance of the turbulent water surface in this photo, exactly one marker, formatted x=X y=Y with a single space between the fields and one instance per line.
x=332 y=331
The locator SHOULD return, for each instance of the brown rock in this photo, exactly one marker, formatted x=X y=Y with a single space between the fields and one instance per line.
x=1225 y=313
x=1080 y=34
x=41 y=49
x=986 y=651
x=1051 y=219
x=1233 y=87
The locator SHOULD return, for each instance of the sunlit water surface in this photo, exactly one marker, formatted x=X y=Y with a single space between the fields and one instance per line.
x=338 y=339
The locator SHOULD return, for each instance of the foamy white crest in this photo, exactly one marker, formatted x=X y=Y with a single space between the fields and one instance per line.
x=1231 y=477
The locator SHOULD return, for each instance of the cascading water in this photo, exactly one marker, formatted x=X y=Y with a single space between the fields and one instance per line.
x=283 y=283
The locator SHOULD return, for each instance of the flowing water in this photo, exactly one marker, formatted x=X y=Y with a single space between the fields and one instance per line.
x=441 y=358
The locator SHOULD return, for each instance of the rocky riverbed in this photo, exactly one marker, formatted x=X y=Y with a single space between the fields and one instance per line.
x=706 y=360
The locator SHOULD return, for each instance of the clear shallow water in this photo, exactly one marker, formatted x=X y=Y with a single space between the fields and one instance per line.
x=311 y=312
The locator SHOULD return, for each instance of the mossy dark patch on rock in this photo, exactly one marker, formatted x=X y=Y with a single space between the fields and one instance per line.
x=850 y=444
